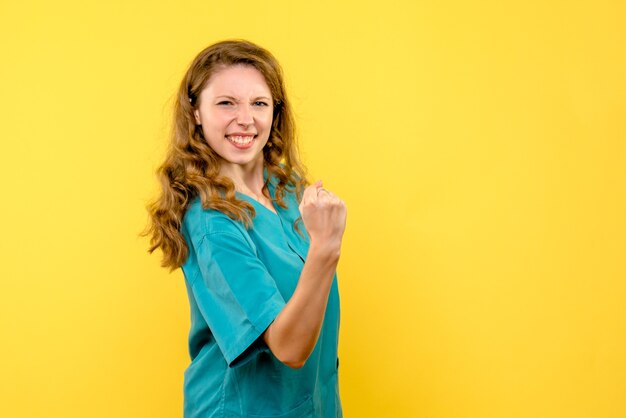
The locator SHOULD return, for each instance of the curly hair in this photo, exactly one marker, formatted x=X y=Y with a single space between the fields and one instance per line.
x=191 y=167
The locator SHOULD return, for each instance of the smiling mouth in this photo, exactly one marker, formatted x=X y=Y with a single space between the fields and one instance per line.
x=241 y=140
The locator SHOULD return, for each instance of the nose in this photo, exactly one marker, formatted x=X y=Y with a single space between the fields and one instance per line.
x=244 y=115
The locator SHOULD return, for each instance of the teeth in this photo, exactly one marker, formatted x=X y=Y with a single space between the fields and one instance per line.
x=242 y=140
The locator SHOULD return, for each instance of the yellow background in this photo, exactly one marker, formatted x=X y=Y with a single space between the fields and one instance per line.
x=479 y=145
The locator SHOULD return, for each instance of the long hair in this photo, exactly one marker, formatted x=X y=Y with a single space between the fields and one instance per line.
x=191 y=167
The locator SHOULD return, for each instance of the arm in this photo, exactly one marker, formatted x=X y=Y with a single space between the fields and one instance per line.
x=294 y=332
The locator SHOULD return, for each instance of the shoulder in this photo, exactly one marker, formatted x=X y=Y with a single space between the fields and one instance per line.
x=199 y=223
x=289 y=191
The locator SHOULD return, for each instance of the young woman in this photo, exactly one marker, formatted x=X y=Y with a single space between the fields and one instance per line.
x=258 y=245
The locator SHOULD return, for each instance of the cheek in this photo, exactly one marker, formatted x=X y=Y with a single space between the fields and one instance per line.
x=215 y=122
x=267 y=121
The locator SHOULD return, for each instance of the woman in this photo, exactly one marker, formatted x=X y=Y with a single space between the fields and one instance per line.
x=257 y=244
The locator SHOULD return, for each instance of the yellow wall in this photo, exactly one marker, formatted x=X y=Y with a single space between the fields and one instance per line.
x=480 y=146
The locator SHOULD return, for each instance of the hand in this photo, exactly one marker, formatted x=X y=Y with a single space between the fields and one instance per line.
x=324 y=216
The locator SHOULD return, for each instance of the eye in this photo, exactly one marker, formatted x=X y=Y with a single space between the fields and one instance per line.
x=224 y=103
x=260 y=103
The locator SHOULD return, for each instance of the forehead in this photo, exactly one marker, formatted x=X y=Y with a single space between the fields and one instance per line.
x=237 y=81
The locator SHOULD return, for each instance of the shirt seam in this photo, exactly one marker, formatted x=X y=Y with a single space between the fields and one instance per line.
x=208 y=234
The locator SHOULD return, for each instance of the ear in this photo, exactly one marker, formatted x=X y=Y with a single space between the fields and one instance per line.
x=196 y=113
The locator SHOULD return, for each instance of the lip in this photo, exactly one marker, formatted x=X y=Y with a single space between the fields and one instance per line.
x=241 y=134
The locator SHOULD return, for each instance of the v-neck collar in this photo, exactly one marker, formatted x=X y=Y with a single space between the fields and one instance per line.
x=270 y=187
x=257 y=203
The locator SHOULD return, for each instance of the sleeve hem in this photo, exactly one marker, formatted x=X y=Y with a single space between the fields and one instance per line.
x=244 y=351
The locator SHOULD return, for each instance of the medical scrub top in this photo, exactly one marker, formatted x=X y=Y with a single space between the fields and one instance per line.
x=237 y=281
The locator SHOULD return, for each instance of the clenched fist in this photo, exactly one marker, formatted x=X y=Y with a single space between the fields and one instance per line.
x=324 y=216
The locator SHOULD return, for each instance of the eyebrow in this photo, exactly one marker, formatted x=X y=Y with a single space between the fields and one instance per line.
x=234 y=99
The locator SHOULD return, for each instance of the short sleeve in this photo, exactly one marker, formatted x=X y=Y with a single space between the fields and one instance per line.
x=236 y=295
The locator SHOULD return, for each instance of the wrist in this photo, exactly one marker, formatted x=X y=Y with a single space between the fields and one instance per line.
x=325 y=251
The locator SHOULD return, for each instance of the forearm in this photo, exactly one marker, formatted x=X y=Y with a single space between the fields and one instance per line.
x=295 y=330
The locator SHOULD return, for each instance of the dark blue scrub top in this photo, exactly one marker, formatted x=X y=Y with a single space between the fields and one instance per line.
x=237 y=281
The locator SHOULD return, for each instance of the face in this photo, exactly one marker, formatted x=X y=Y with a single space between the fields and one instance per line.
x=235 y=111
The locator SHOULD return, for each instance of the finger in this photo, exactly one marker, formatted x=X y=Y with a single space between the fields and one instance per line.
x=326 y=194
x=315 y=189
x=312 y=189
x=319 y=185
x=324 y=197
x=310 y=193
x=335 y=200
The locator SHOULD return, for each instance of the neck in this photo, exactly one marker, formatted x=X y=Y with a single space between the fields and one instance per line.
x=248 y=179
